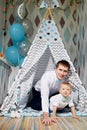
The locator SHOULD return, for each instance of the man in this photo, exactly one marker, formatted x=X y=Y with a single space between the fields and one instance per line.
x=46 y=87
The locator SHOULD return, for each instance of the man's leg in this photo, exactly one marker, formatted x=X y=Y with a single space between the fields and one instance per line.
x=35 y=103
x=65 y=110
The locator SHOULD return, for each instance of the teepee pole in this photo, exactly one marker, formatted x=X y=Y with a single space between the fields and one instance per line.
x=49 y=14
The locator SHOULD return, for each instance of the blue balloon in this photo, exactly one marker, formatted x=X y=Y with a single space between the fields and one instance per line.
x=12 y=55
x=15 y=43
x=21 y=61
x=17 y=32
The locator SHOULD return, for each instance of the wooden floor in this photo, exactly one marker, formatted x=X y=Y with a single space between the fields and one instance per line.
x=34 y=123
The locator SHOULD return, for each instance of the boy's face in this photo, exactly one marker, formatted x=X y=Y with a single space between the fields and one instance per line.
x=65 y=90
x=61 y=71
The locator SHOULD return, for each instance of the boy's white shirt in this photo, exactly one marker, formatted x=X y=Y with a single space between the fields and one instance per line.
x=60 y=101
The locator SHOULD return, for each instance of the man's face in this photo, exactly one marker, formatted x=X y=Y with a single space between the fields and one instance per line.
x=61 y=71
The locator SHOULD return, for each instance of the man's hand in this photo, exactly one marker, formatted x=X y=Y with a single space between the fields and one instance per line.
x=48 y=121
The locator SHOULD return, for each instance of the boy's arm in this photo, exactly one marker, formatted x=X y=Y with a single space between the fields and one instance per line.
x=74 y=113
x=54 y=112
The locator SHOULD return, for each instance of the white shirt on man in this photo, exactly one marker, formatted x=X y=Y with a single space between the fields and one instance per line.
x=48 y=85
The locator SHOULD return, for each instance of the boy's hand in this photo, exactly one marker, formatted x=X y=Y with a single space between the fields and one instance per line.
x=76 y=117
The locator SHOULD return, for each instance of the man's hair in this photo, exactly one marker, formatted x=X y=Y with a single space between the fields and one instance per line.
x=63 y=62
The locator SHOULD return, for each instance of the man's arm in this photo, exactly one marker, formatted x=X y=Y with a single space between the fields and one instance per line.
x=47 y=120
x=45 y=91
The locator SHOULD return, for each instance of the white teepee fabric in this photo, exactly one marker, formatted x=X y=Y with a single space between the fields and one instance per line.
x=52 y=4
x=46 y=49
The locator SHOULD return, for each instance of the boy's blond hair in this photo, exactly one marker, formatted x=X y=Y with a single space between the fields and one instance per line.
x=66 y=83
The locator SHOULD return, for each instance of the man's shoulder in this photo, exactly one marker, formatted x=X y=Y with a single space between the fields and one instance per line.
x=50 y=72
x=49 y=75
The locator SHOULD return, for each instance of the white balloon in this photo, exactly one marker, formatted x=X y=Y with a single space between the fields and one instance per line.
x=28 y=27
x=23 y=47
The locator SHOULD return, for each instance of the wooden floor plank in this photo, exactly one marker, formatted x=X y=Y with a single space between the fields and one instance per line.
x=34 y=123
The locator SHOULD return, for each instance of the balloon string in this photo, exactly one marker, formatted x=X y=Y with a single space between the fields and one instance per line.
x=25 y=1
x=17 y=20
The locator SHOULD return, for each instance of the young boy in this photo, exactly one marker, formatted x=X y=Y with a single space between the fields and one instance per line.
x=62 y=99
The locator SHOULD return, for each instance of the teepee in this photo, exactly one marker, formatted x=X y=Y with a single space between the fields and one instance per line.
x=46 y=50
